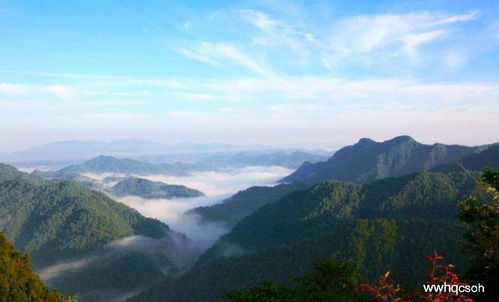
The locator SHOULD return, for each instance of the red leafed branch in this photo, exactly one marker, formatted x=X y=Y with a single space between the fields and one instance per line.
x=438 y=274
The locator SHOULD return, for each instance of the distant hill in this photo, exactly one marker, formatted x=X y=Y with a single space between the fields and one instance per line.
x=368 y=160
x=127 y=166
x=17 y=281
x=181 y=158
x=289 y=159
x=71 y=150
x=102 y=164
x=477 y=162
x=62 y=222
x=153 y=189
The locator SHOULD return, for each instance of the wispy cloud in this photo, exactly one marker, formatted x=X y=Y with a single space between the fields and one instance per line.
x=413 y=41
x=221 y=54
x=276 y=33
x=369 y=38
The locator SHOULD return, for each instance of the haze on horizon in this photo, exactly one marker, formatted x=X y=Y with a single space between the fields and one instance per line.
x=299 y=73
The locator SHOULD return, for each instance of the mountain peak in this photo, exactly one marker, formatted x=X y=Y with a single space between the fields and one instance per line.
x=365 y=141
x=402 y=139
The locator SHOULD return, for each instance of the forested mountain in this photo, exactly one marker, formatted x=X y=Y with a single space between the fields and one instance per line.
x=58 y=223
x=399 y=156
x=232 y=210
x=395 y=221
x=18 y=283
x=153 y=189
x=368 y=160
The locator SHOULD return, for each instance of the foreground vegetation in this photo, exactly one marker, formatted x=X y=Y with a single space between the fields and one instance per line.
x=18 y=283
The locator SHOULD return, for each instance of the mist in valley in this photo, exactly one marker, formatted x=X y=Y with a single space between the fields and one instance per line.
x=217 y=186
x=178 y=251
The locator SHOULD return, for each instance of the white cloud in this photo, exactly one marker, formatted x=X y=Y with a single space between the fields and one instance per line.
x=372 y=39
x=459 y=18
x=413 y=41
x=220 y=54
x=63 y=92
x=275 y=33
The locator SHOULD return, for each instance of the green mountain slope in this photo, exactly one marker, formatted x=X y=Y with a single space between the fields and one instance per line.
x=65 y=224
x=244 y=203
x=55 y=221
x=395 y=222
x=153 y=189
x=17 y=282
x=368 y=160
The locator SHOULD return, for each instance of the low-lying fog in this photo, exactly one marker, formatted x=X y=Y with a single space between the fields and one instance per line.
x=216 y=185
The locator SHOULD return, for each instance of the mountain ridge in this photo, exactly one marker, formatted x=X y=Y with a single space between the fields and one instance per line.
x=135 y=186
x=368 y=160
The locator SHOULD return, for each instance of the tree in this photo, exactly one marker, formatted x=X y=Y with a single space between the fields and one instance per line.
x=481 y=241
x=438 y=275
x=17 y=282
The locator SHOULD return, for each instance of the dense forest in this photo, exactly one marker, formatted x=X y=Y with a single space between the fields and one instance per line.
x=18 y=283
x=66 y=222
x=244 y=203
x=395 y=221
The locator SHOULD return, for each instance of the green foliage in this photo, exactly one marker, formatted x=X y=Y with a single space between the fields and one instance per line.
x=151 y=189
x=17 y=282
x=120 y=274
x=244 y=203
x=394 y=222
x=332 y=281
x=481 y=241
x=53 y=221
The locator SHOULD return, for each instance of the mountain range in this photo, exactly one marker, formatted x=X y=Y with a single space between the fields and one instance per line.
x=128 y=166
x=383 y=205
x=205 y=156
x=87 y=149
x=406 y=155
x=368 y=160
x=385 y=208
x=395 y=222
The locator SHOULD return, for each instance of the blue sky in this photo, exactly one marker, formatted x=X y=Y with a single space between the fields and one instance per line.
x=298 y=73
